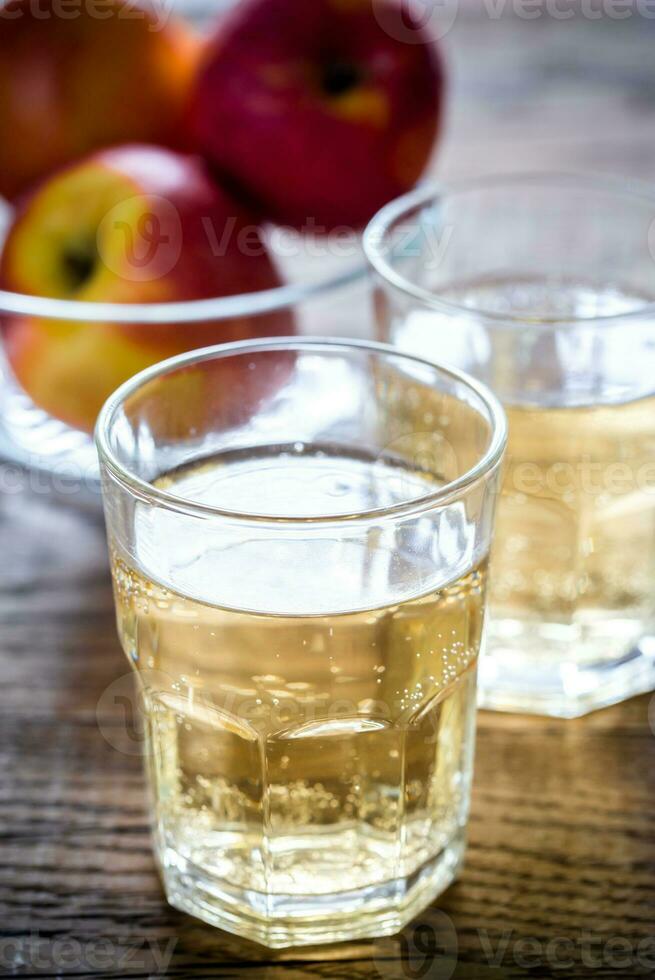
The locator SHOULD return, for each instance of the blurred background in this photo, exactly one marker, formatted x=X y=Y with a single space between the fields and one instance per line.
x=302 y=120
x=569 y=87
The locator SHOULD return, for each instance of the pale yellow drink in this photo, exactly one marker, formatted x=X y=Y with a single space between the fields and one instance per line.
x=295 y=756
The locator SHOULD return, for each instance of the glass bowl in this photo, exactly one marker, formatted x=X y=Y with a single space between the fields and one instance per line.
x=325 y=289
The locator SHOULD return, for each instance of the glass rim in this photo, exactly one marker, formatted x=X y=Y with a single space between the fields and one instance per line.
x=489 y=460
x=379 y=228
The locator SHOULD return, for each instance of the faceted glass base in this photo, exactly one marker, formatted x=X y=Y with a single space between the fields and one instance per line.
x=564 y=671
x=279 y=921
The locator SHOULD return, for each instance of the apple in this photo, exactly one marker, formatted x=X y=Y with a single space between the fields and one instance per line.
x=78 y=75
x=319 y=109
x=135 y=224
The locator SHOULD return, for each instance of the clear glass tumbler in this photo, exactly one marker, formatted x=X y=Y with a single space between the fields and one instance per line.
x=543 y=287
x=299 y=533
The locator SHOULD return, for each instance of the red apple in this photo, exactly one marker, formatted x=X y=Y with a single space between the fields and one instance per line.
x=315 y=109
x=77 y=77
x=132 y=224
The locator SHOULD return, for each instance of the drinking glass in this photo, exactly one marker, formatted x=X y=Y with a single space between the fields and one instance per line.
x=543 y=286
x=299 y=533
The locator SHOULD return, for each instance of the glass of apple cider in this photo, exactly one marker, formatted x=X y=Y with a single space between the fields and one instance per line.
x=299 y=533
x=543 y=287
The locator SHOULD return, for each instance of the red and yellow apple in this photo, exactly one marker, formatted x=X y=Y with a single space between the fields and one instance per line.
x=318 y=109
x=81 y=76
x=133 y=224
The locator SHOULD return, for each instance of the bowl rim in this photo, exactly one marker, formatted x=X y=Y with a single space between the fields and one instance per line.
x=377 y=231
x=147 y=492
x=216 y=308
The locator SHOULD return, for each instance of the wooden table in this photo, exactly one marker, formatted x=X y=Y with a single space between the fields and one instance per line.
x=560 y=877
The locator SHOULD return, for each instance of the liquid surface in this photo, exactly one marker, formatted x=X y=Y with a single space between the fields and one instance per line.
x=550 y=352
x=306 y=571
x=298 y=481
x=304 y=762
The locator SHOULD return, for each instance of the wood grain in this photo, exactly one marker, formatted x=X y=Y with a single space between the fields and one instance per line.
x=560 y=876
